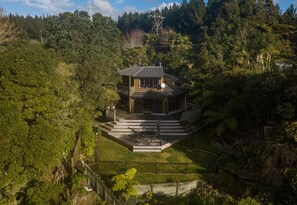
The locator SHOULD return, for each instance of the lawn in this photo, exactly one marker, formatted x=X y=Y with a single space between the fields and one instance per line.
x=201 y=141
x=198 y=162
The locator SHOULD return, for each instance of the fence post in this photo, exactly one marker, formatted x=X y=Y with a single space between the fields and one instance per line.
x=87 y=175
x=97 y=187
x=177 y=187
x=186 y=168
x=105 y=194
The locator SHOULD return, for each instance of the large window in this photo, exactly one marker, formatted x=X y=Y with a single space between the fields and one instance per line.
x=125 y=81
x=149 y=82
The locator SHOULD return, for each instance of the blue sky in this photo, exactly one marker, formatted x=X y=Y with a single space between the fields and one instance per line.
x=107 y=7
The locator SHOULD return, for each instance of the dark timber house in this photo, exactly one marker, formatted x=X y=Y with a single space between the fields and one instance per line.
x=147 y=89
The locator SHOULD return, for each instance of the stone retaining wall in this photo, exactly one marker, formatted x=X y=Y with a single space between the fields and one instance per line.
x=172 y=189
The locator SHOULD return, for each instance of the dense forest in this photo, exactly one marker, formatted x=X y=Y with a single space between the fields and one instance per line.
x=58 y=73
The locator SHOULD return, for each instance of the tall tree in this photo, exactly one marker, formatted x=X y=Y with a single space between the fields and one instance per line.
x=95 y=47
x=38 y=114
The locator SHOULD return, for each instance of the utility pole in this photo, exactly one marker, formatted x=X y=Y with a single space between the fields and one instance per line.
x=91 y=10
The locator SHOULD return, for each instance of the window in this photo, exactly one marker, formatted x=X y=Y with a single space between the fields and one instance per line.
x=149 y=82
x=142 y=83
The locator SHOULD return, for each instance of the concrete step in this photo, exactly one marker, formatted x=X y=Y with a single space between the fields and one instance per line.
x=135 y=127
x=147 y=123
x=106 y=126
x=171 y=130
x=169 y=124
x=136 y=123
x=147 y=148
x=123 y=120
x=104 y=131
x=120 y=134
x=150 y=121
x=174 y=134
x=134 y=130
x=147 y=126
x=143 y=129
x=169 y=135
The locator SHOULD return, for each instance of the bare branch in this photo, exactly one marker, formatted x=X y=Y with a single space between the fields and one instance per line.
x=134 y=38
x=8 y=32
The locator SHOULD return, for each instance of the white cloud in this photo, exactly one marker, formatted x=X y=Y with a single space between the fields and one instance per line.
x=104 y=7
x=51 y=6
x=163 y=5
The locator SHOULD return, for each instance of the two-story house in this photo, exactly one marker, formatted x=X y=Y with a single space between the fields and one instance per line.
x=147 y=89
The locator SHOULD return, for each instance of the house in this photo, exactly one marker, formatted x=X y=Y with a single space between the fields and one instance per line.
x=147 y=89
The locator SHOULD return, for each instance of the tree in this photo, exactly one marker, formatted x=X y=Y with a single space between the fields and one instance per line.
x=134 y=38
x=40 y=193
x=39 y=114
x=248 y=201
x=8 y=32
x=124 y=184
x=88 y=139
x=177 y=59
x=95 y=48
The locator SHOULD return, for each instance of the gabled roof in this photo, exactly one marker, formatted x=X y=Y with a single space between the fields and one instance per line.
x=143 y=71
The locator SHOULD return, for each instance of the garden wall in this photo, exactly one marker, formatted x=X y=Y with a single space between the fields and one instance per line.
x=172 y=189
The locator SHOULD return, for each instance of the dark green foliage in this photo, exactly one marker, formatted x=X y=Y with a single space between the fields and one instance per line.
x=248 y=201
x=238 y=55
x=94 y=47
x=132 y=21
x=203 y=195
x=88 y=139
x=76 y=181
x=40 y=193
x=29 y=27
x=37 y=131
x=135 y=56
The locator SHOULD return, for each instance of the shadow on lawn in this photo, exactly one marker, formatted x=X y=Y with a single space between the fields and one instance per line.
x=205 y=159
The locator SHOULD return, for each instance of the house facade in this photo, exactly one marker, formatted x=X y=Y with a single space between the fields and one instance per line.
x=147 y=89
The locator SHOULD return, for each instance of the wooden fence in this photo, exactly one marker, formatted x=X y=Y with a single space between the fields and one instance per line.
x=100 y=187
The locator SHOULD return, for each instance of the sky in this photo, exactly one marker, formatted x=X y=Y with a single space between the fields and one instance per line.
x=112 y=8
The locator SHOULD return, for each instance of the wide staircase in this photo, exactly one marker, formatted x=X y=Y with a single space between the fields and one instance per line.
x=143 y=135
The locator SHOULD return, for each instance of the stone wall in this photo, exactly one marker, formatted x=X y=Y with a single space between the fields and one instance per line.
x=172 y=189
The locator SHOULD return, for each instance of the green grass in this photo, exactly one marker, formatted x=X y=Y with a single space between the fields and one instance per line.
x=198 y=162
x=201 y=141
x=109 y=150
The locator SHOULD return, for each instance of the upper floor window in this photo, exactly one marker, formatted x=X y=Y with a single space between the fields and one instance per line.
x=149 y=82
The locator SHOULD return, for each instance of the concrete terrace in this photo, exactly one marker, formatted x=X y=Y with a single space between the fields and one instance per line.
x=147 y=132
